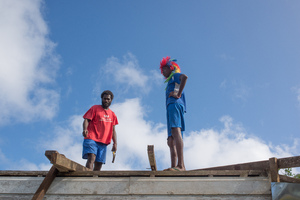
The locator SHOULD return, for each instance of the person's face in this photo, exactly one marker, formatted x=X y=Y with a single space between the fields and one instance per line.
x=106 y=101
x=166 y=71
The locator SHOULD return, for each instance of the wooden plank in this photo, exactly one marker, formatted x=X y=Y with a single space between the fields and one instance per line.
x=64 y=164
x=260 y=165
x=287 y=179
x=23 y=173
x=49 y=153
x=151 y=157
x=274 y=176
x=203 y=173
x=288 y=162
x=41 y=191
x=200 y=173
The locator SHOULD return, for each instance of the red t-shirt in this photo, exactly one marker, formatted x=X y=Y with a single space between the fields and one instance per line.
x=100 y=127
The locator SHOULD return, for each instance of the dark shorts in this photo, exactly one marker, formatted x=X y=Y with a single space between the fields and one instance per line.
x=175 y=117
x=97 y=148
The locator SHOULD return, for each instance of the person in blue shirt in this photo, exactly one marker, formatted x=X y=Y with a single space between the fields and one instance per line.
x=176 y=107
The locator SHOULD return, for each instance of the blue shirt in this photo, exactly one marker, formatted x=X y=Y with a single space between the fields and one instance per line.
x=170 y=88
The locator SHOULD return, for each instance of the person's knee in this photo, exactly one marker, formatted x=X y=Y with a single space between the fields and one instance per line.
x=176 y=132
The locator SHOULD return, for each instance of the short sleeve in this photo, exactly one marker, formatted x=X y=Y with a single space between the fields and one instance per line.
x=177 y=77
x=89 y=114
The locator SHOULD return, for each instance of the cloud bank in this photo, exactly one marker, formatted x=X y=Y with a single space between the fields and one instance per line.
x=27 y=63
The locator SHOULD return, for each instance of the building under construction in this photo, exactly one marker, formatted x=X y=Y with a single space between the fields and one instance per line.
x=69 y=180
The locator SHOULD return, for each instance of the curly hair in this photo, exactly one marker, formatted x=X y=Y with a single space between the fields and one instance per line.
x=107 y=92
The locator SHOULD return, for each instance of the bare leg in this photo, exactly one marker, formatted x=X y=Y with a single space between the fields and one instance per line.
x=90 y=161
x=173 y=152
x=176 y=133
x=98 y=166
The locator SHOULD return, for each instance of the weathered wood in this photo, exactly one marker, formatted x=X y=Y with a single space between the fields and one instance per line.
x=23 y=173
x=41 y=191
x=64 y=164
x=274 y=176
x=151 y=157
x=287 y=179
x=288 y=162
x=260 y=165
x=49 y=153
x=201 y=173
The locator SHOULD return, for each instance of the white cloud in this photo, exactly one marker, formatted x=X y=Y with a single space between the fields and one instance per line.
x=230 y=145
x=67 y=139
x=27 y=63
x=126 y=71
x=128 y=74
x=203 y=148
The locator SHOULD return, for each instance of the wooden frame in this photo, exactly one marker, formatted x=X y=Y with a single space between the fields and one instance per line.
x=63 y=166
x=60 y=164
x=272 y=166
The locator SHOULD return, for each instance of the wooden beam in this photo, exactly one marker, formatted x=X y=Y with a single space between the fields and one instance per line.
x=260 y=165
x=200 y=173
x=288 y=162
x=274 y=176
x=287 y=179
x=23 y=173
x=41 y=191
x=64 y=164
x=117 y=173
x=151 y=157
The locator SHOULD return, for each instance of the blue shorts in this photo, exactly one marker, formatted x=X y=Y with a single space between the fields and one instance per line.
x=97 y=148
x=175 y=117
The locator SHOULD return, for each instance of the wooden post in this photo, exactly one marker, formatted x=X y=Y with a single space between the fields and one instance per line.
x=41 y=191
x=274 y=170
x=151 y=156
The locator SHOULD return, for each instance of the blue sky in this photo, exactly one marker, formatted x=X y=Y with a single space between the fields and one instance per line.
x=241 y=57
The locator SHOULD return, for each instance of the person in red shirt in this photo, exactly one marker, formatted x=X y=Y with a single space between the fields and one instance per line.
x=98 y=131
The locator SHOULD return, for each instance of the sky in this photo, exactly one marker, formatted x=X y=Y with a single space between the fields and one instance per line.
x=242 y=60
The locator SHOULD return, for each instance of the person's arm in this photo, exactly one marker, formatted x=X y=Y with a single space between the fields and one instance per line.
x=114 y=138
x=85 y=126
x=182 y=79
